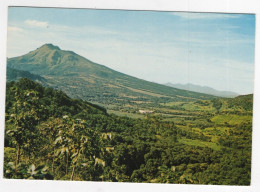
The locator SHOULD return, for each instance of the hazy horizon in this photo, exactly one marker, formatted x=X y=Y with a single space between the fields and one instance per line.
x=206 y=49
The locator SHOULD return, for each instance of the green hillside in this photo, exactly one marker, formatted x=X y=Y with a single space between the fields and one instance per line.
x=239 y=103
x=49 y=135
x=14 y=75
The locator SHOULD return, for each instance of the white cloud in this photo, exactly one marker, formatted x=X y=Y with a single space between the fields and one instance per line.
x=36 y=23
x=191 y=15
x=14 y=29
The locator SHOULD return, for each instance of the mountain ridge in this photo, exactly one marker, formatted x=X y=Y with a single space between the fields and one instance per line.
x=203 y=89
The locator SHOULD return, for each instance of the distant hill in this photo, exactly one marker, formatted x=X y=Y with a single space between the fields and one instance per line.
x=203 y=89
x=81 y=78
x=15 y=74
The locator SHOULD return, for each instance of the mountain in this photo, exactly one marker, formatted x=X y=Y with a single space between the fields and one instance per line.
x=203 y=89
x=81 y=78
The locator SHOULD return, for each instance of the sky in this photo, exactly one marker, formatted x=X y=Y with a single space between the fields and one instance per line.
x=207 y=49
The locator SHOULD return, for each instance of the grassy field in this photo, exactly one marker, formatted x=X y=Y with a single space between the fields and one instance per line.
x=126 y=114
x=199 y=143
x=231 y=119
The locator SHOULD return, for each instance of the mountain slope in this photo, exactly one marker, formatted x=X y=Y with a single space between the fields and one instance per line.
x=242 y=103
x=72 y=74
x=203 y=89
x=15 y=74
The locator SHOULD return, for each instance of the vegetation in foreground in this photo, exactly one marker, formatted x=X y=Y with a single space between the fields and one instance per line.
x=51 y=136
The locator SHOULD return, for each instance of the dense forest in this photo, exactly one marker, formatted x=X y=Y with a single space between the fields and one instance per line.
x=49 y=135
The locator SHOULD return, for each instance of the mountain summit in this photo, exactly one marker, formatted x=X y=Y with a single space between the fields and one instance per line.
x=49 y=46
x=51 y=60
x=82 y=78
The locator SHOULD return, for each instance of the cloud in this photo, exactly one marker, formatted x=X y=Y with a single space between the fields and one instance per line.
x=14 y=29
x=36 y=23
x=191 y=15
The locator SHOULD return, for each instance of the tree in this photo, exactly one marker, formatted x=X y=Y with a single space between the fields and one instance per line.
x=24 y=117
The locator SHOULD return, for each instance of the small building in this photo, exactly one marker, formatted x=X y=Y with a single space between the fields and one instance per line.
x=145 y=111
